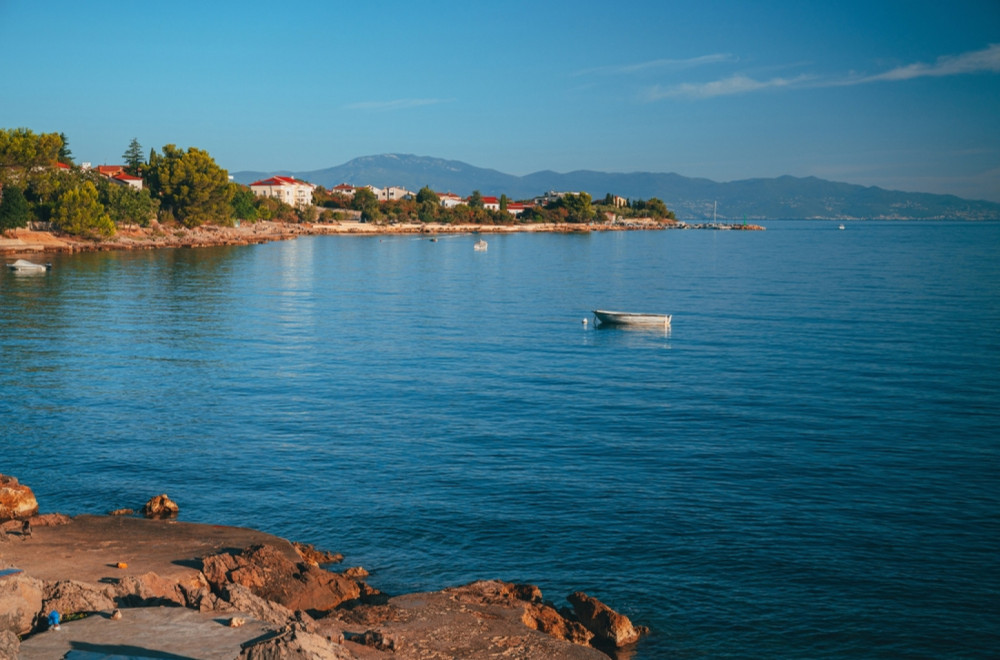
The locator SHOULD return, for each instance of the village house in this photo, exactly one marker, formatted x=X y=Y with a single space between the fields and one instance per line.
x=345 y=189
x=551 y=196
x=117 y=174
x=491 y=203
x=123 y=179
x=289 y=190
x=393 y=193
x=449 y=200
x=110 y=170
x=517 y=208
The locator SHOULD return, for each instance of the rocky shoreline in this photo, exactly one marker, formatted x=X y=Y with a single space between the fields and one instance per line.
x=24 y=241
x=145 y=586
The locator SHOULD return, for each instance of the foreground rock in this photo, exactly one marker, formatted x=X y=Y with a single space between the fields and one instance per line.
x=160 y=506
x=179 y=586
x=17 y=501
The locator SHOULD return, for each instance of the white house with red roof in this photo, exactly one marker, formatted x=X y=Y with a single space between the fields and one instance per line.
x=491 y=203
x=289 y=190
x=110 y=170
x=449 y=200
x=345 y=189
x=517 y=208
x=124 y=179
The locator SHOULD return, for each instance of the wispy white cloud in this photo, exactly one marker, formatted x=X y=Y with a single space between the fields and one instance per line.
x=395 y=104
x=736 y=84
x=637 y=67
x=986 y=60
x=979 y=61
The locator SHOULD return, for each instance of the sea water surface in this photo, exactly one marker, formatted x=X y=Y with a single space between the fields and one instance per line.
x=806 y=465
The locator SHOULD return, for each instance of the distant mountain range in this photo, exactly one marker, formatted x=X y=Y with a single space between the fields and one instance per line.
x=691 y=199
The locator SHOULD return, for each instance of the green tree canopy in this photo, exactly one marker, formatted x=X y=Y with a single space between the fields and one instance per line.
x=190 y=186
x=126 y=205
x=476 y=199
x=578 y=207
x=425 y=194
x=366 y=202
x=65 y=155
x=79 y=212
x=243 y=203
x=20 y=147
x=133 y=157
x=14 y=209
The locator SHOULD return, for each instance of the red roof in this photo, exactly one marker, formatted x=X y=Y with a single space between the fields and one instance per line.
x=109 y=170
x=62 y=166
x=490 y=200
x=343 y=186
x=279 y=181
x=121 y=176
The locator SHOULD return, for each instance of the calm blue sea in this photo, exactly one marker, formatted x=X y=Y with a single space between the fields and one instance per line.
x=806 y=466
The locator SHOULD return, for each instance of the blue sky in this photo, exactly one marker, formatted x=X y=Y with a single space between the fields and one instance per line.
x=903 y=95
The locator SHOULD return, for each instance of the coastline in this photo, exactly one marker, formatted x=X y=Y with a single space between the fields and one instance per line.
x=134 y=586
x=25 y=241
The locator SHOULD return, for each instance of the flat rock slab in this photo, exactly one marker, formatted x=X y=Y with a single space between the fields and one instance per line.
x=89 y=548
x=173 y=633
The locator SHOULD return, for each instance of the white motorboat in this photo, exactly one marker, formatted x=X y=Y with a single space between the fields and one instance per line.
x=25 y=266
x=605 y=317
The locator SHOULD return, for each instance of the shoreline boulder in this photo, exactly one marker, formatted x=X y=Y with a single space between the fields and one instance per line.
x=160 y=506
x=17 y=501
x=609 y=627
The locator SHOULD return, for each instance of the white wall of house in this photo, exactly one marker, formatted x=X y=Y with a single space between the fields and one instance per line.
x=290 y=191
x=449 y=200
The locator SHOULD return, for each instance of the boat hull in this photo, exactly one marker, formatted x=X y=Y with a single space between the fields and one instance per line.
x=23 y=266
x=605 y=317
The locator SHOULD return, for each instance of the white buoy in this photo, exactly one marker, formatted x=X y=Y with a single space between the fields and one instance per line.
x=585 y=321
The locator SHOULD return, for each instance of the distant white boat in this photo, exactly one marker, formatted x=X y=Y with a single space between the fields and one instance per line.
x=840 y=227
x=480 y=246
x=605 y=317
x=25 y=266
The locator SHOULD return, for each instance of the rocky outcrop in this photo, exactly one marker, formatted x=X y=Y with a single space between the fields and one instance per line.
x=237 y=598
x=591 y=622
x=312 y=612
x=149 y=590
x=71 y=597
x=17 y=501
x=160 y=506
x=295 y=644
x=609 y=627
x=315 y=557
x=10 y=644
x=270 y=575
x=548 y=620
x=20 y=603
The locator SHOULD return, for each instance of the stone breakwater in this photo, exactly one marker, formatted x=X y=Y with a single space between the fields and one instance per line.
x=23 y=241
x=125 y=583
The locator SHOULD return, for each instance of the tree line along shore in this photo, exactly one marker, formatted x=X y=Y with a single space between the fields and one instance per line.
x=176 y=191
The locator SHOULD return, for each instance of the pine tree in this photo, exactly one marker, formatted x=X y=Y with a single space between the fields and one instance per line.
x=14 y=209
x=133 y=157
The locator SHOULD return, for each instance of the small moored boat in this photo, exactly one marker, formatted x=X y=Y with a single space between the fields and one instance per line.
x=25 y=266
x=605 y=317
x=480 y=245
